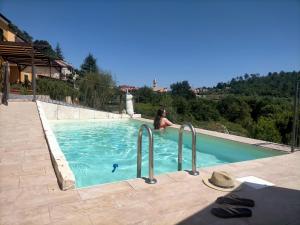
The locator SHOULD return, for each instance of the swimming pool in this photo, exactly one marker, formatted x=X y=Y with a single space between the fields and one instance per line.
x=103 y=151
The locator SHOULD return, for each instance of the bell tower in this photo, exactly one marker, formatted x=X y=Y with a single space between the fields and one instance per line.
x=154 y=85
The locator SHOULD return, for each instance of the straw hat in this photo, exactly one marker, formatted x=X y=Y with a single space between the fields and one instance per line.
x=222 y=181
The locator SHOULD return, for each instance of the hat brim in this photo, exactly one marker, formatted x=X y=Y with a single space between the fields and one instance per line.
x=237 y=185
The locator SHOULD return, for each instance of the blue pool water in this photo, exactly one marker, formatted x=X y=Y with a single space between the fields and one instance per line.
x=105 y=151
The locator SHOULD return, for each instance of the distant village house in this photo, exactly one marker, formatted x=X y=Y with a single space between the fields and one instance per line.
x=125 y=88
x=158 y=89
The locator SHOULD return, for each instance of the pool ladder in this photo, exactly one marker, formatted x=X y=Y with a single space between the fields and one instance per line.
x=151 y=179
x=194 y=167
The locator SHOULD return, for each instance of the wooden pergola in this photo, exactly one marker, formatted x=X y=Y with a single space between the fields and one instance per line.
x=23 y=54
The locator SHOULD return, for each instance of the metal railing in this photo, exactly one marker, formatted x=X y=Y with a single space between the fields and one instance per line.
x=194 y=168
x=295 y=134
x=151 y=179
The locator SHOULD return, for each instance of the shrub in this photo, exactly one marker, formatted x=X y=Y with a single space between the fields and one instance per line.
x=97 y=89
x=56 y=89
x=146 y=109
x=234 y=109
x=266 y=129
x=204 y=110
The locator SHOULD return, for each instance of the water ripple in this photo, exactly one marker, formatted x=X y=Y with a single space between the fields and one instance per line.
x=92 y=148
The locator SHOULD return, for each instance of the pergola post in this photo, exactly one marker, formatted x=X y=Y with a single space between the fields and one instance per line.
x=26 y=54
x=5 y=95
x=33 y=79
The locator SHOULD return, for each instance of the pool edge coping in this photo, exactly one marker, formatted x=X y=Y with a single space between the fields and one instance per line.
x=182 y=172
x=64 y=174
x=231 y=137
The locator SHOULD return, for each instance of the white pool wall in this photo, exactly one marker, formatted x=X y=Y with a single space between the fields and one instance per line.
x=61 y=112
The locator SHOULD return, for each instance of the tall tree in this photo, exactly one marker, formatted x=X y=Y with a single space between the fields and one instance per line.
x=182 y=89
x=45 y=48
x=235 y=109
x=266 y=129
x=59 y=53
x=97 y=89
x=144 y=94
x=89 y=65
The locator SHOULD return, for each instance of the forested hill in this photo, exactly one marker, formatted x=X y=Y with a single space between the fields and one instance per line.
x=274 y=84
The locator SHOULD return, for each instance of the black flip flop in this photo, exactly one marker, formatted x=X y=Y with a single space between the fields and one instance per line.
x=230 y=212
x=235 y=200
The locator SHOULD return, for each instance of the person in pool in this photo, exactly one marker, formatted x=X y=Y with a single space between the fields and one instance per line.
x=160 y=121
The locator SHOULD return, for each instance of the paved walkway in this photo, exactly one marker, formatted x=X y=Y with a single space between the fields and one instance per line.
x=29 y=193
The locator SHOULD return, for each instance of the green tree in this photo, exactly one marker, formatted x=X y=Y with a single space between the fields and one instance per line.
x=58 y=52
x=266 y=129
x=234 y=109
x=45 y=48
x=144 y=95
x=89 y=65
x=274 y=84
x=284 y=124
x=166 y=102
x=221 y=85
x=182 y=89
x=97 y=89
x=204 y=110
x=56 y=89
x=181 y=105
x=146 y=109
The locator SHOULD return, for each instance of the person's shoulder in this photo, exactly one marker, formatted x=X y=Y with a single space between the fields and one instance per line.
x=168 y=122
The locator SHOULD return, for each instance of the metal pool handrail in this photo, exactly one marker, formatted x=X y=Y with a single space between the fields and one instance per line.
x=151 y=179
x=194 y=168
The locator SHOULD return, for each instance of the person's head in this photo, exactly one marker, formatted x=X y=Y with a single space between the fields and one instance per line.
x=164 y=113
x=160 y=114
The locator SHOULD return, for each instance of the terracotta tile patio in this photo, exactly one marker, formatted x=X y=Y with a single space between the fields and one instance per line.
x=29 y=193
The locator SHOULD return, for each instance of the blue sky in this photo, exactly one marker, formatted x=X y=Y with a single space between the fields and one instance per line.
x=204 y=42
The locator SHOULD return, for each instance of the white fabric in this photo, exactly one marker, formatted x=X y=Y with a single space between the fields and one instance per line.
x=255 y=182
x=129 y=104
